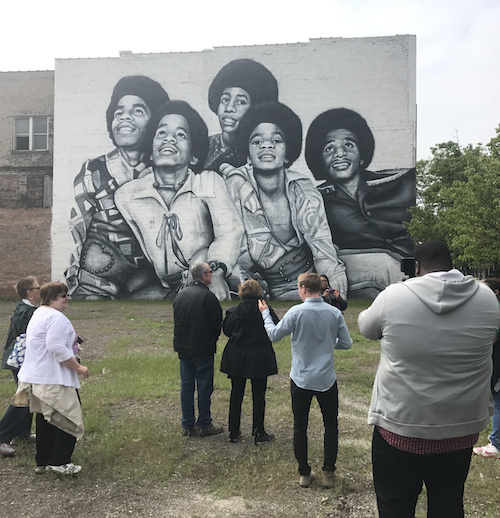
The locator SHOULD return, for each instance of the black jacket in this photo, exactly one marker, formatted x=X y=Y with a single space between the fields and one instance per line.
x=18 y=324
x=375 y=218
x=249 y=353
x=338 y=303
x=197 y=320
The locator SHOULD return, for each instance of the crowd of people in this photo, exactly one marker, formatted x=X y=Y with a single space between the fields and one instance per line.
x=436 y=387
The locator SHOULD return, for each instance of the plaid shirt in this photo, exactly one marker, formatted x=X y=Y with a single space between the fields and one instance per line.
x=428 y=446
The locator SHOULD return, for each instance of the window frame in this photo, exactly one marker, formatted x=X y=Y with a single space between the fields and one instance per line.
x=31 y=133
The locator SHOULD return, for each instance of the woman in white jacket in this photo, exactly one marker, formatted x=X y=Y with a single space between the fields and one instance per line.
x=49 y=375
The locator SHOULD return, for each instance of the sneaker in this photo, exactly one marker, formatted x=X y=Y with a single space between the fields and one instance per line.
x=328 y=478
x=40 y=469
x=191 y=432
x=307 y=480
x=65 y=469
x=261 y=439
x=235 y=437
x=210 y=430
x=487 y=451
x=6 y=450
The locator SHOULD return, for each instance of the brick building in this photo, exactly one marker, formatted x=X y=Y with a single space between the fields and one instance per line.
x=26 y=138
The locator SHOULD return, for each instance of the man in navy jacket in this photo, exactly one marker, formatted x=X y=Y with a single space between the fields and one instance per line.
x=197 y=325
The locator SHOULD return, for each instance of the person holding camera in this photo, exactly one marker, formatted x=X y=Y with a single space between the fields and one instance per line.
x=332 y=295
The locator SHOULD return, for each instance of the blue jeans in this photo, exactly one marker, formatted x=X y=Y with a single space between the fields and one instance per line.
x=495 y=422
x=199 y=369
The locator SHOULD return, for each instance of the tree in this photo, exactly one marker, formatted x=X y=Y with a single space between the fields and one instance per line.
x=458 y=201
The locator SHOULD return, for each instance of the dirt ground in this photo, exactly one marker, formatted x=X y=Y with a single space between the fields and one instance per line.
x=24 y=246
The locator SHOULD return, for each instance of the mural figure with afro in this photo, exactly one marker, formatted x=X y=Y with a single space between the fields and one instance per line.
x=286 y=229
x=182 y=214
x=108 y=261
x=365 y=209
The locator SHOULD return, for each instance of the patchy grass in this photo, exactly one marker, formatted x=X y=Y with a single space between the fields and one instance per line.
x=133 y=446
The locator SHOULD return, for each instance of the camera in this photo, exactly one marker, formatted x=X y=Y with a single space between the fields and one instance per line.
x=408 y=266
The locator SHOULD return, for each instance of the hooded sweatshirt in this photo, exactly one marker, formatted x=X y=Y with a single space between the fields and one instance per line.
x=436 y=334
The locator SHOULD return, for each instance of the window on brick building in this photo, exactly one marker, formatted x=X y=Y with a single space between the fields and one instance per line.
x=30 y=133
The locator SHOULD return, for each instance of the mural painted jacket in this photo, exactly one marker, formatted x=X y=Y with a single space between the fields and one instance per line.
x=264 y=251
x=219 y=154
x=107 y=251
x=375 y=218
x=201 y=224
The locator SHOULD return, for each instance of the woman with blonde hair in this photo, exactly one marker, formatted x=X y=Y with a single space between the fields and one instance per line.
x=249 y=354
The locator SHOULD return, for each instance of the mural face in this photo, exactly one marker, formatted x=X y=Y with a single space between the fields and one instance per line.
x=245 y=199
x=341 y=156
x=267 y=147
x=234 y=103
x=130 y=120
x=172 y=143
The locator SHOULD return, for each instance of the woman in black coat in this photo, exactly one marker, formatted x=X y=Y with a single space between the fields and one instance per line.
x=16 y=422
x=249 y=354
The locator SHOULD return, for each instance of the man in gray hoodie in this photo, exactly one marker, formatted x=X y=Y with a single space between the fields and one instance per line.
x=431 y=395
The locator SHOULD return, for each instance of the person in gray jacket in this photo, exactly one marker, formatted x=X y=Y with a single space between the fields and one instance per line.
x=431 y=395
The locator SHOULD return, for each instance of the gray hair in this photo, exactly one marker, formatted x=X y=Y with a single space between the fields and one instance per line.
x=197 y=270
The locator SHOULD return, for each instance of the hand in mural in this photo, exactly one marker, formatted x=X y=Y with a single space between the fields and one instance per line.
x=340 y=282
x=219 y=286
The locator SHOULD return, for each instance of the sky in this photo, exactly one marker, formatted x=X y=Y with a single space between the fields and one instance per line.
x=458 y=43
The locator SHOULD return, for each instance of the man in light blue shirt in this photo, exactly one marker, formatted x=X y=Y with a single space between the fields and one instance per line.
x=317 y=329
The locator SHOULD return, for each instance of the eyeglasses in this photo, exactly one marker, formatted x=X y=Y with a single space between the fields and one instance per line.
x=63 y=295
x=209 y=271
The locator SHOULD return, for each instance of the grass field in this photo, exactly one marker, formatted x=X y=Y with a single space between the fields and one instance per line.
x=136 y=462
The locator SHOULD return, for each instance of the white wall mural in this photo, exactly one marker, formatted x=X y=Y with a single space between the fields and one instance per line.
x=264 y=161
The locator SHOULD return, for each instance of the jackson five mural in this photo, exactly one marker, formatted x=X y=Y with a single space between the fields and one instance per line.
x=168 y=195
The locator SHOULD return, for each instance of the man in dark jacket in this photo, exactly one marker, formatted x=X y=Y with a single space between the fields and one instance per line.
x=197 y=325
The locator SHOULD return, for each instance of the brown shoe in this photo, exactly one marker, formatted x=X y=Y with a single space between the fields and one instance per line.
x=210 y=430
x=191 y=432
x=328 y=478
x=307 y=480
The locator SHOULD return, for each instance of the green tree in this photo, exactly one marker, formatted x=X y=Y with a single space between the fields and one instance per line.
x=458 y=201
